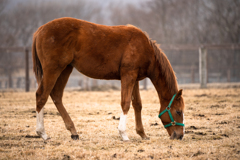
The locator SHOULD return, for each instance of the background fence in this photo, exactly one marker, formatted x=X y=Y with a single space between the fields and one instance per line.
x=192 y=64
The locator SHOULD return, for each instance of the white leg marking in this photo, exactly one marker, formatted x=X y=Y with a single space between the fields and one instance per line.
x=122 y=127
x=40 y=125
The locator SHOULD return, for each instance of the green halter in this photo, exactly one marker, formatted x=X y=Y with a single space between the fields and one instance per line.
x=172 y=123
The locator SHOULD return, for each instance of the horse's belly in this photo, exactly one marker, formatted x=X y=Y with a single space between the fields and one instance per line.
x=98 y=70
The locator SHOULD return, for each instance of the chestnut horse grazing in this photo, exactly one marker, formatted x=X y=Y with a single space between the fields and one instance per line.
x=104 y=52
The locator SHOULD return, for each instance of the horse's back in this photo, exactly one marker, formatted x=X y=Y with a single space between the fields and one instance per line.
x=71 y=32
x=96 y=50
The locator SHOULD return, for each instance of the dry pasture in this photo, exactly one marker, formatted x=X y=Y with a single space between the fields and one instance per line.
x=212 y=119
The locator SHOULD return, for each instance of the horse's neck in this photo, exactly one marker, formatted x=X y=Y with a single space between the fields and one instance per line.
x=165 y=88
x=162 y=89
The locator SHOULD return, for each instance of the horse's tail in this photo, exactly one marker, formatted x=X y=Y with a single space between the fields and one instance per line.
x=37 y=67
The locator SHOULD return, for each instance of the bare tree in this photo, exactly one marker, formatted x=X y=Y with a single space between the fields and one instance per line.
x=185 y=21
x=19 y=23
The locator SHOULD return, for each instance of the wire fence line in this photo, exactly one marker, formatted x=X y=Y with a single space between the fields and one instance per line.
x=192 y=64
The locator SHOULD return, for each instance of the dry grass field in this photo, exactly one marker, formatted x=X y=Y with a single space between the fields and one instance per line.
x=212 y=119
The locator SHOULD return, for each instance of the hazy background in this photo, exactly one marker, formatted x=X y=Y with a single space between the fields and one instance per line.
x=184 y=23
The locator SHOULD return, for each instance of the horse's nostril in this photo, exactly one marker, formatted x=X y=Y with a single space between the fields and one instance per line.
x=174 y=135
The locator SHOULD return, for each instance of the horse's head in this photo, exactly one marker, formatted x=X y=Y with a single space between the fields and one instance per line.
x=172 y=116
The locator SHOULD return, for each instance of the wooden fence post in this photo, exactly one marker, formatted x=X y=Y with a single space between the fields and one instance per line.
x=203 y=67
x=192 y=74
x=86 y=84
x=27 y=83
x=94 y=84
x=145 y=84
x=229 y=75
x=10 y=70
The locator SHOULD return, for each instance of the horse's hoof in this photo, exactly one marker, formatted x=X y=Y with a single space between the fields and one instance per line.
x=145 y=138
x=75 y=137
x=125 y=141
x=47 y=140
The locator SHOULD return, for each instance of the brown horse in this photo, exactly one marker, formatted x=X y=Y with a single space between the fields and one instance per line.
x=103 y=52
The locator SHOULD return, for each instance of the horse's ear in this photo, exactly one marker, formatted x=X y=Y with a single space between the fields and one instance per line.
x=179 y=94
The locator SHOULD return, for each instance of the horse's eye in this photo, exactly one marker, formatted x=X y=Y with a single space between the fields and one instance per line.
x=179 y=113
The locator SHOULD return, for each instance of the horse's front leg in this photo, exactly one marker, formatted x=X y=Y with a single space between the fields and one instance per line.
x=127 y=84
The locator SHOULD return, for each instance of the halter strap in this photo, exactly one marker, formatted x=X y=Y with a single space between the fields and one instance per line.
x=172 y=123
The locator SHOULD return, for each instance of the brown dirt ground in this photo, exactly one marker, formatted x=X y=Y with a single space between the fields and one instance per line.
x=212 y=119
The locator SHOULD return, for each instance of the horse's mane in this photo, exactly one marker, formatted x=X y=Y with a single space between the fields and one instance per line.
x=165 y=68
x=164 y=65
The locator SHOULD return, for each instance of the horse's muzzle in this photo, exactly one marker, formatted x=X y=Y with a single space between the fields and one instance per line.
x=176 y=136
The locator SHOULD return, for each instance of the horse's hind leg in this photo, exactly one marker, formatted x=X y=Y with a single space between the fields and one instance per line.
x=56 y=96
x=137 y=105
x=40 y=125
x=44 y=89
